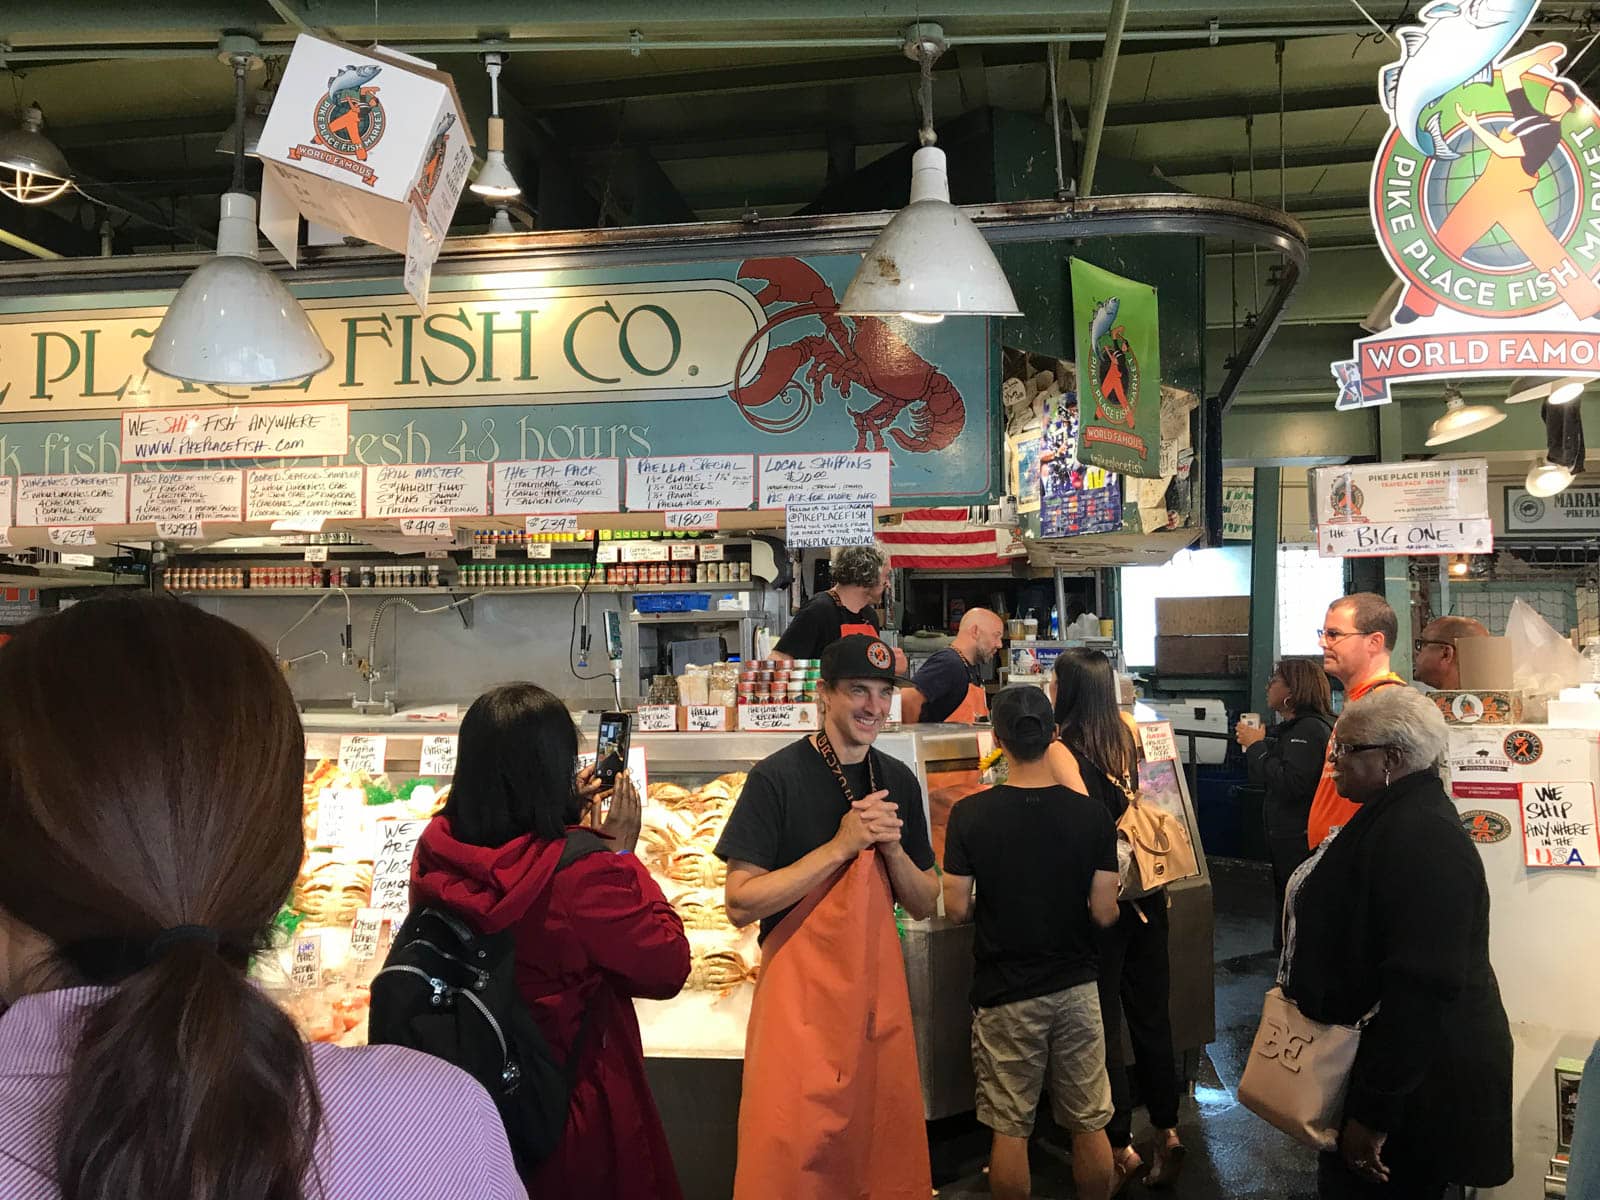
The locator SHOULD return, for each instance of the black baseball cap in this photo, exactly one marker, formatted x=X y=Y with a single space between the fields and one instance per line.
x=860 y=656
x=1022 y=715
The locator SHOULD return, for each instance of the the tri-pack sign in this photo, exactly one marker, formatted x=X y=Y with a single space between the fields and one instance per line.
x=1486 y=202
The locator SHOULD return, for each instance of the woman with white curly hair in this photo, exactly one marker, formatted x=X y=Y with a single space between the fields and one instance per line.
x=1393 y=913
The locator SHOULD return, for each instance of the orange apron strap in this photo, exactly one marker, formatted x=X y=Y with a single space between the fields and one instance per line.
x=832 y=1104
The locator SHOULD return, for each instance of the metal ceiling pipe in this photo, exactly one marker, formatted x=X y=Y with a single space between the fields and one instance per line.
x=1102 y=96
x=18 y=242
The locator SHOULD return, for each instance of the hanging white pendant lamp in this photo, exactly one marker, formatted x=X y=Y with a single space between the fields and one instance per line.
x=1546 y=478
x=233 y=321
x=930 y=261
x=1557 y=391
x=495 y=180
x=32 y=168
x=1461 y=419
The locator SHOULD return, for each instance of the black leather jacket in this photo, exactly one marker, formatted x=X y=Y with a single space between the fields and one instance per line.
x=1288 y=763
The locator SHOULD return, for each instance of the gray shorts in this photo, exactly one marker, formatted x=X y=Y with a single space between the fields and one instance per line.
x=1057 y=1038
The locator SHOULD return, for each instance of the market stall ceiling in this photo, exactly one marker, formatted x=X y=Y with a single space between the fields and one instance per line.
x=136 y=98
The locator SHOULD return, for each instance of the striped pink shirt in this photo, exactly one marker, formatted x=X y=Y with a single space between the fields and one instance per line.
x=398 y=1125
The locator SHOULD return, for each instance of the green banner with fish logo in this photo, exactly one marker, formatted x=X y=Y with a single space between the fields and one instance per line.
x=1117 y=333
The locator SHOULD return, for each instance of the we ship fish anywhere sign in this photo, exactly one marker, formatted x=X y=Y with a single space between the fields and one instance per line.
x=1486 y=202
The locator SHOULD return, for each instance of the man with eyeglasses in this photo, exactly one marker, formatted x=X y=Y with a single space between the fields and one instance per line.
x=1357 y=638
x=1434 y=661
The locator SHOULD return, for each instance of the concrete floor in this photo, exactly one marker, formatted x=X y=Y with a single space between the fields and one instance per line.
x=1232 y=1154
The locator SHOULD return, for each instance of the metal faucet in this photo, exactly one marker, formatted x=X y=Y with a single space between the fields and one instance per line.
x=371 y=674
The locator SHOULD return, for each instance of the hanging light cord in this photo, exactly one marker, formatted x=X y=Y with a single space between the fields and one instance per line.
x=241 y=64
x=1051 y=65
x=925 y=135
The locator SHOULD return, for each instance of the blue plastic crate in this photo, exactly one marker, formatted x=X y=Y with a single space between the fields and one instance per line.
x=671 y=602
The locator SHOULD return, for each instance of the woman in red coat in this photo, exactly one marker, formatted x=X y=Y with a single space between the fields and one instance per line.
x=590 y=936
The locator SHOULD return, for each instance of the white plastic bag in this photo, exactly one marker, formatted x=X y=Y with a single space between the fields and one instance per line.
x=1545 y=662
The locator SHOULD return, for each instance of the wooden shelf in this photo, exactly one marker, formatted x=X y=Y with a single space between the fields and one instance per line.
x=459 y=590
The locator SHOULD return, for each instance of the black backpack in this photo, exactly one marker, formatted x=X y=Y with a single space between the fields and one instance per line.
x=452 y=993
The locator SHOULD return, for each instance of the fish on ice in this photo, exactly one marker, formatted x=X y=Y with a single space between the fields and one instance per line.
x=1457 y=43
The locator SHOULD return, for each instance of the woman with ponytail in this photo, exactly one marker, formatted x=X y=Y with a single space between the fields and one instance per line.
x=150 y=801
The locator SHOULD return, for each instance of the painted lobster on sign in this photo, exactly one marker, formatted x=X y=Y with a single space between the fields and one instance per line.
x=870 y=355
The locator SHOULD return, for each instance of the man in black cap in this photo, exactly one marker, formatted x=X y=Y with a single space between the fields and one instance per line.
x=827 y=835
x=1045 y=863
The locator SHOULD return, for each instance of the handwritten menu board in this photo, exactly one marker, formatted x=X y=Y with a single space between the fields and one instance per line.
x=1158 y=741
x=238 y=431
x=1558 y=824
x=428 y=490
x=828 y=525
x=8 y=499
x=362 y=752
x=391 y=871
x=166 y=497
x=853 y=478
x=656 y=718
x=304 y=493
x=365 y=934
x=438 y=754
x=691 y=481
x=306 y=964
x=72 y=500
x=558 y=485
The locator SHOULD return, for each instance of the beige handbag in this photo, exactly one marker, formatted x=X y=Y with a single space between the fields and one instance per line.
x=1298 y=1072
x=1153 y=848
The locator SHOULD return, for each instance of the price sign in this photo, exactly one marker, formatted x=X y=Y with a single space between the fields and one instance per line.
x=561 y=523
x=299 y=525
x=428 y=490
x=777 y=717
x=1159 y=744
x=683 y=552
x=438 y=754
x=541 y=550
x=316 y=554
x=558 y=485
x=72 y=500
x=8 y=489
x=705 y=718
x=76 y=560
x=72 y=535
x=699 y=518
x=365 y=934
x=442 y=554
x=168 y=496
x=481 y=552
x=607 y=553
x=391 y=871
x=304 y=493
x=644 y=552
x=428 y=527
x=828 y=525
x=656 y=718
x=179 y=531
x=692 y=481
x=846 y=478
x=339 y=816
x=362 y=752
x=305 y=971
x=712 y=552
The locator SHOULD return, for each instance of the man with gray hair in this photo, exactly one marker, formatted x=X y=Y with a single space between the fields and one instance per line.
x=860 y=574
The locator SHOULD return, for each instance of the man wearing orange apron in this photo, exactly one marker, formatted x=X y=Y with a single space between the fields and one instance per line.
x=949 y=687
x=825 y=837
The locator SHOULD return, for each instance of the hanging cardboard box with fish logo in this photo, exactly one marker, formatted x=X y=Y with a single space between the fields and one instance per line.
x=372 y=143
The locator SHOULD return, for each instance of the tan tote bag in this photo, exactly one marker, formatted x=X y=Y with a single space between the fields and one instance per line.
x=1298 y=1072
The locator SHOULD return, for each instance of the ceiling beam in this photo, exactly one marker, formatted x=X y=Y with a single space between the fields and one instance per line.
x=1209 y=108
x=1266 y=160
x=970 y=62
x=290 y=13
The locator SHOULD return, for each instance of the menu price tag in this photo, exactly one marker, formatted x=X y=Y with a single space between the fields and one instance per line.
x=482 y=552
x=656 y=718
x=305 y=971
x=691 y=481
x=8 y=490
x=72 y=535
x=828 y=525
x=365 y=934
x=682 y=552
x=777 y=717
x=1158 y=742
x=558 y=485
x=316 y=554
x=299 y=525
x=847 y=478
x=76 y=560
x=713 y=552
x=438 y=754
x=339 y=816
x=706 y=718
x=540 y=550
x=171 y=496
x=429 y=527
x=561 y=523
x=304 y=493
x=607 y=553
x=697 y=518
x=644 y=552
x=179 y=531
x=72 y=500
x=238 y=431
x=391 y=871
x=362 y=752
x=428 y=490
x=1558 y=824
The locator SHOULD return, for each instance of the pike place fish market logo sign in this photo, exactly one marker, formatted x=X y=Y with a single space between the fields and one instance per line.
x=1486 y=202
x=348 y=122
x=1485 y=827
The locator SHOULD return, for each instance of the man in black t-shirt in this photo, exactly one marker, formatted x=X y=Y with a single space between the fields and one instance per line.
x=860 y=576
x=949 y=686
x=1044 y=860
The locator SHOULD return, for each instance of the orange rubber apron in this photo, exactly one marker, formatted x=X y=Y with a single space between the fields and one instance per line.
x=832 y=1105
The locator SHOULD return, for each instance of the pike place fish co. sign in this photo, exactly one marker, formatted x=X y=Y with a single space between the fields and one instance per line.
x=1486 y=202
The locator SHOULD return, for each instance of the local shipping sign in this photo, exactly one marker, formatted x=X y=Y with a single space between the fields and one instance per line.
x=1119 y=381
x=1486 y=202
x=655 y=361
x=1390 y=509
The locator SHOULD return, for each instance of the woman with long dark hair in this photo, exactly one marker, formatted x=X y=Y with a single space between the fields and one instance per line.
x=1287 y=764
x=589 y=936
x=151 y=760
x=1097 y=754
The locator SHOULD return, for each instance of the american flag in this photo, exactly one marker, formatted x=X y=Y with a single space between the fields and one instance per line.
x=945 y=538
